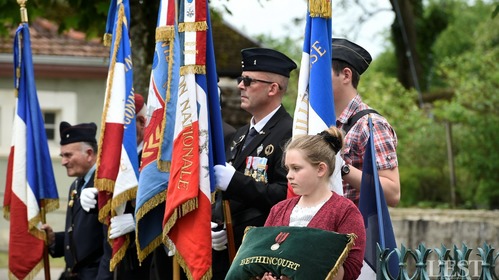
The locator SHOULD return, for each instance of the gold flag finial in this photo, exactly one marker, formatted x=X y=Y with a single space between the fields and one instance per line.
x=24 y=12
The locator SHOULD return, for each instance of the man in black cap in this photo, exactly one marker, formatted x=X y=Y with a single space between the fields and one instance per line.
x=349 y=61
x=253 y=180
x=83 y=243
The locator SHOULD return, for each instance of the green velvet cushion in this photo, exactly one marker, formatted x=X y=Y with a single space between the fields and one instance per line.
x=305 y=253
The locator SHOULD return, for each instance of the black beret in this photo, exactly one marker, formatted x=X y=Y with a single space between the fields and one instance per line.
x=266 y=60
x=84 y=132
x=351 y=53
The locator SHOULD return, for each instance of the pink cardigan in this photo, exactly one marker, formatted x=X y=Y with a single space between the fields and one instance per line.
x=338 y=214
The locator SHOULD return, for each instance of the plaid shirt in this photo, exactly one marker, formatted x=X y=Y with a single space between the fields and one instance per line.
x=385 y=142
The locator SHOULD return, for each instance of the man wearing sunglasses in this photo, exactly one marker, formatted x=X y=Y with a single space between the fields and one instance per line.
x=253 y=180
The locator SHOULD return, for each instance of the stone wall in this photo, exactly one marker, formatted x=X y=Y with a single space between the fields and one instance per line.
x=435 y=227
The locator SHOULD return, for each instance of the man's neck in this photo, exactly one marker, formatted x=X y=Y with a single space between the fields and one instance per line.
x=342 y=101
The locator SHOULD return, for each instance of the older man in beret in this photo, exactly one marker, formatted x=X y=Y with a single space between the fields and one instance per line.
x=83 y=243
x=254 y=180
x=349 y=61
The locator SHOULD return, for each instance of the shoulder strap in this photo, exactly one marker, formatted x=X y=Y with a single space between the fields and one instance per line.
x=353 y=119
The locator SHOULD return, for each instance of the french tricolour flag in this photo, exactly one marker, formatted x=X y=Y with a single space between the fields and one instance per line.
x=117 y=161
x=198 y=144
x=30 y=185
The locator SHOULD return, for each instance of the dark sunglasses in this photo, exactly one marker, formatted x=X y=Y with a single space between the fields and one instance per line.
x=247 y=81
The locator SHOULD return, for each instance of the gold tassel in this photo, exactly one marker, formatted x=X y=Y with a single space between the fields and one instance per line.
x=165 y=33
x=107 y=39
x=192 y=26
x=192 y=69
x=320 y=8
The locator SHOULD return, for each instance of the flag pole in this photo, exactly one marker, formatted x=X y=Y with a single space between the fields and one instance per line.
x=176 y=269
x=46 y=261
x=231 y=245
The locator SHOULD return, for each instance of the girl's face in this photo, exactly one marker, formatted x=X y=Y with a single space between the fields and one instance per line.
x=303 y=177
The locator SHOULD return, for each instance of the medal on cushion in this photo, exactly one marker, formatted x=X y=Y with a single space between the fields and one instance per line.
x=72 y=199
x=278 y=240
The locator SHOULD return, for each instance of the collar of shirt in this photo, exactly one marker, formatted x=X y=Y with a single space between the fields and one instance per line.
x=88 y=175
x=261 y=124
x=353 y=107
x=140 y=146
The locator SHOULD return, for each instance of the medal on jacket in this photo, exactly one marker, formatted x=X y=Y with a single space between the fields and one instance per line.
x=72 y=199
x=278 y=240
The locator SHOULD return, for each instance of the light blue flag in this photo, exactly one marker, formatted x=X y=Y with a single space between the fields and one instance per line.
x=159 y=132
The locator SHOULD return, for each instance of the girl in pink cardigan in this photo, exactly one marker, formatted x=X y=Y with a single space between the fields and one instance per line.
x=310 y=161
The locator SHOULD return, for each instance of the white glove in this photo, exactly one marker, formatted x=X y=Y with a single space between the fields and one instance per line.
x=120 y=225
x=223 y=175
x=171 y=252
x=88 y=198
x=218 y=238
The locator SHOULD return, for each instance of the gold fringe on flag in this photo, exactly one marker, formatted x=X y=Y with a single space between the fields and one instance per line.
x=192 y=26
x=142 y=211
x=124 y=197
x=183 y=264
x=320 y=8
x=192 y=69
x=343 y=256
x=165 y=33
x=118 y=256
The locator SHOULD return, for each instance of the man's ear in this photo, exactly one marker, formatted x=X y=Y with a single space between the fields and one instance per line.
x=347 y=74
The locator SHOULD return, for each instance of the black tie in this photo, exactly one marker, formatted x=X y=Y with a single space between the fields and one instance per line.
x=80 y=184
x=251 y=134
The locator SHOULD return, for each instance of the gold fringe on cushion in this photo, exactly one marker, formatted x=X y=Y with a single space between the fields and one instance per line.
x=192 y=69
x=320 y=8
x=118 y=256
x=192 y=26
x=342 y=257
x=107 y=39
x=165 y=33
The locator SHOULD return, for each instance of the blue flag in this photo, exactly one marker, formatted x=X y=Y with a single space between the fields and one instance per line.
x=377 y=220
x=314 y=111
